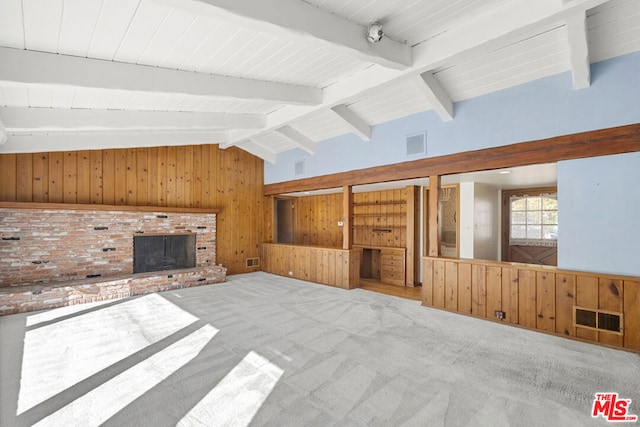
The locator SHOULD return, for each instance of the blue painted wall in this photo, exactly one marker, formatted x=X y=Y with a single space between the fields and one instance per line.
x=540 y=109
x=599 y=214
x=599 y=197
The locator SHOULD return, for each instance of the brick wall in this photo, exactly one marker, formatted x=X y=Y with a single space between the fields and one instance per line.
x=43 y=246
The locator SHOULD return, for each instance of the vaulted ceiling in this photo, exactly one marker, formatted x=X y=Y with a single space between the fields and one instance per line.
x=273 y=75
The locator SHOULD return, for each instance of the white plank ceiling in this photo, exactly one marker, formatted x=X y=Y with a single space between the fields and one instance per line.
x=275 y=75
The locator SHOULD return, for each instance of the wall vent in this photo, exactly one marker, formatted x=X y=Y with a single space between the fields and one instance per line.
x=299 y=168
x=598 y=319
x=417 y=144
x=253 y=262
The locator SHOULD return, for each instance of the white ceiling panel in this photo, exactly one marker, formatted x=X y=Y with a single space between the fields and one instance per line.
x=288 y=70
x=79 y=19
x=530 y=59
x=392 y=102
x=42 y=20
x=613 y=29
x=146 y=23
x=272 y=141
x=115 y=18
x=321 y=125
x=11 y=28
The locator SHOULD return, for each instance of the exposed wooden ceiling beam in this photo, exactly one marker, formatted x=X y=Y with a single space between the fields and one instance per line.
x=61 y=141
x=3 y=134
x=298 y=20
x=258 y=150
x=618 y=140
x=435 y=94
x=579 y=50
x=297 y=138
x=23 y=67
x=20 y=119
x=477 y=35
x=355 y=122
x=488 y=31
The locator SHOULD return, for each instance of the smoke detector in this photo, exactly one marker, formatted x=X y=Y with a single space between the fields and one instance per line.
x=374 y=32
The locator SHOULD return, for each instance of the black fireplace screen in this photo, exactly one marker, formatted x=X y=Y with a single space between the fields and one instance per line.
x=165 y=252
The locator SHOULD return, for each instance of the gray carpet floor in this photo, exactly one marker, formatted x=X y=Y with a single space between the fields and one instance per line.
x=264 y=350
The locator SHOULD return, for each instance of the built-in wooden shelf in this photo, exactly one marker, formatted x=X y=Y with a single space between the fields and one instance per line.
x=380 y=203
x=380 y=215
x=97 y=207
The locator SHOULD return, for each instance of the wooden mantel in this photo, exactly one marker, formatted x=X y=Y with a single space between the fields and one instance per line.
x=97 y=207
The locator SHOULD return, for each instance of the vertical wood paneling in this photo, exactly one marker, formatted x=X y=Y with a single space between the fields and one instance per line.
x=494 y=290
x=96 y=177
x=464 y=288
x=108 y=177
x=565 y=300
x=142 y=177
x=162 y=182
x=328 y=266
x=71 y=181
x=438 y=284
x=527 y=298
x=587 y=297
x=56 y=174
x=83 y=161
x=478 y=290
x=427 y=282
x=8 y=177
x=132 y=178
x=120 y=183
x=451 y=286
x=536 y=298
x=632 y=314
x=40 y=177
x=510 y=295
x=610 y=298
x=172 y=177
x=227 y=179
x=24 y=168
x=546 y=301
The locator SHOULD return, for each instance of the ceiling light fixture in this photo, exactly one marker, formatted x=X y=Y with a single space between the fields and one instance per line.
x=504 y=172
x=374 y=32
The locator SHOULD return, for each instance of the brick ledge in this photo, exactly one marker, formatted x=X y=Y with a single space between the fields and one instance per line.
x=27 y=298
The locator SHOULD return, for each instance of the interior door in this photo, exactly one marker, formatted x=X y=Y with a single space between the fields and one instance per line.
x=530 y=226
x=284 y=220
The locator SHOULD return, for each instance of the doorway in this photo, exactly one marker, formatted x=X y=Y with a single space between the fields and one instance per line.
x=284 y=220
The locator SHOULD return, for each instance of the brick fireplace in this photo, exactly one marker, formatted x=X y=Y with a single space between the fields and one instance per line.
x=47 y=247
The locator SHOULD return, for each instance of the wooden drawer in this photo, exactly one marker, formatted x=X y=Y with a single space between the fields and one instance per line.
x=392 y=269
x=393 y=278
x=392 y=262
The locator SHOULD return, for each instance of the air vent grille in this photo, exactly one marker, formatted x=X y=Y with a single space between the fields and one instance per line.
x=299 y=168
x=598 y=319
x=253 y=262
x=417 y=144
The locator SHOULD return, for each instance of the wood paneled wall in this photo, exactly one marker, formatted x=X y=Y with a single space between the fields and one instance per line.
x=316 y=220
x=185 y=176
x=328 y=266
x=534 y=297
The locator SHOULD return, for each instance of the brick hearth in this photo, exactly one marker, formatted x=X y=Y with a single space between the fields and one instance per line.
x=59 y=256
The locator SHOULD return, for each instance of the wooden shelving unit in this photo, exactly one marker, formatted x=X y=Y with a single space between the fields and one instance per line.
x=385 y=228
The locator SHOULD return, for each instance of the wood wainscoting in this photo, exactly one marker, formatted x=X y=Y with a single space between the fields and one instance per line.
x=327 y=266
x=541 y=298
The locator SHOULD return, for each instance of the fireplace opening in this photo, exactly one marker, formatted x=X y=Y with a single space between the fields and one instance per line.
x=163 y=252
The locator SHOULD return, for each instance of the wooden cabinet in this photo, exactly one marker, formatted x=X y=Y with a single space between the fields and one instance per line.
x=386 y=265
x=392 y=266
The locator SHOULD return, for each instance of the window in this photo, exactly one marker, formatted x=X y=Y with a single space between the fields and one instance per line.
x=534 y=220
